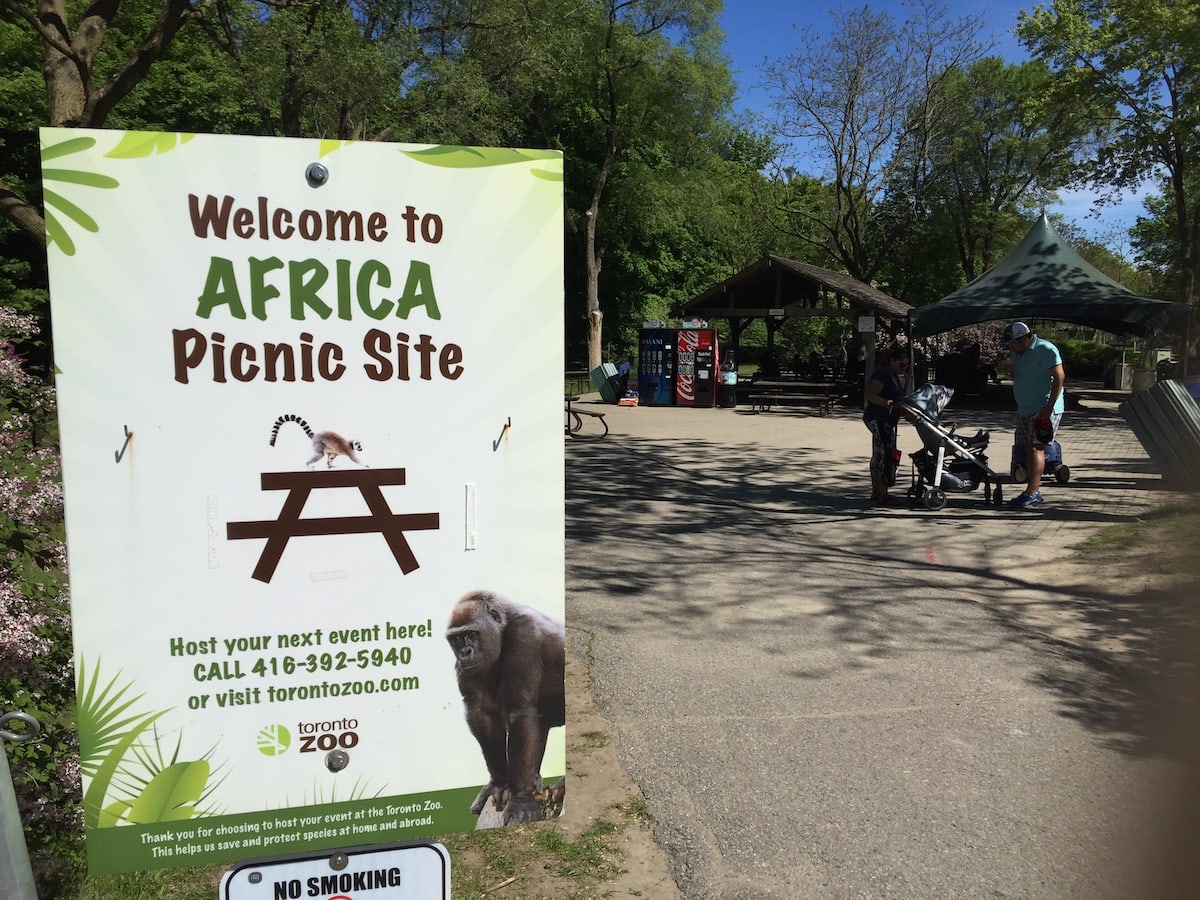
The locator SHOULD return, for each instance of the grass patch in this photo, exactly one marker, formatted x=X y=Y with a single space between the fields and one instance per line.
x=540 y=862
x=1165 y=539
x=590 y=856
x=592 y=740
x=187 y=883
x=635 y=809
x=528 y=862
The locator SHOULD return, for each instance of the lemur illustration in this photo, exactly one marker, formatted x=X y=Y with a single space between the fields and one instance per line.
x=329 y=444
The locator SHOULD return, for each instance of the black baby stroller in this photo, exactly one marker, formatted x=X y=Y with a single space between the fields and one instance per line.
x=947 y=462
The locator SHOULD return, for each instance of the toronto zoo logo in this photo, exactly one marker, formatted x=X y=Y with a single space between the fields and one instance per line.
x=274 y=740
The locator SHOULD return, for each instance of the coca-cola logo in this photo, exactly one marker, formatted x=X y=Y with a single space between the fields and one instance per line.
x=685 y=360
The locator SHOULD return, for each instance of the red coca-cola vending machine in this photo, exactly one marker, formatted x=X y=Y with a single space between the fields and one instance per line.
x=696 y=367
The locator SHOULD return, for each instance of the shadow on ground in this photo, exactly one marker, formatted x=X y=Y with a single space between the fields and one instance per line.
x=700 y=512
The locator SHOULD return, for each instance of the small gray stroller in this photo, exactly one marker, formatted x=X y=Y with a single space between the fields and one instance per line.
x=948 y=462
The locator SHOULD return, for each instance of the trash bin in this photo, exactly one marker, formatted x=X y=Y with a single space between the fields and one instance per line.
x=727 y=389
x=610 y=382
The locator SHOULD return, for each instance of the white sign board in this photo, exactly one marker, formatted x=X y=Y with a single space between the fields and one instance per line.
x=866 y=324
x=310 y=397
x=419 y=871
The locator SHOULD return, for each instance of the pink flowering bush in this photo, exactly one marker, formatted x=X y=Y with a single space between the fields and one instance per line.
x=36 y=675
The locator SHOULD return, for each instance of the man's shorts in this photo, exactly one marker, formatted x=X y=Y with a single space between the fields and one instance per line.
x=1024 y=430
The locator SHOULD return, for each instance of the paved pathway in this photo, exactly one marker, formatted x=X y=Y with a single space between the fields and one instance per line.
x=824 y=700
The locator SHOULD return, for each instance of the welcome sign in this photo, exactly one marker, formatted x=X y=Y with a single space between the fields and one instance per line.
x=309 y=396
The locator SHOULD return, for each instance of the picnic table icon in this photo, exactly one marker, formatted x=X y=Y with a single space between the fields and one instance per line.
x=289 y=524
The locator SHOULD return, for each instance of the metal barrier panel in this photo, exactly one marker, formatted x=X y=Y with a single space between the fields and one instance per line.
x=1166 y=420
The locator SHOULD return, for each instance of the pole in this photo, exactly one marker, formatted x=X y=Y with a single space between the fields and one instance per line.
x=1187 y=345
x=912 y=358
x=16 y=877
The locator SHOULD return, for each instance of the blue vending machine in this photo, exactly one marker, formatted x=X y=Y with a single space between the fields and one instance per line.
x=656 y=367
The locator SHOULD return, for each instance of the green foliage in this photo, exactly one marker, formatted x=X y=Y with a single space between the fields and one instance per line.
x=1086 y=358
x=688 y=227
x=1155 y=240
x=22 y=110
x=317 y=69
x=1141 y=59
x=35 y=640
x=924 y=267
x=1001 y=153
x=193 y=87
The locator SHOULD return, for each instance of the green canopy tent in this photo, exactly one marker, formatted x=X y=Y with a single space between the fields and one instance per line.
x=1044 y=278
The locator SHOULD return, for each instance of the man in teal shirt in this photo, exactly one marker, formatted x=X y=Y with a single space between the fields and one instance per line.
x=1038 y=379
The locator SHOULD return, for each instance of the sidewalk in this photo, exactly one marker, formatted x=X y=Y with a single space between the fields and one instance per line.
x=823 y=699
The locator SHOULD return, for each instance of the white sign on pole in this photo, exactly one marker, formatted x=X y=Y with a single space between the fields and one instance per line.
x=310 y=397
x=417 y=871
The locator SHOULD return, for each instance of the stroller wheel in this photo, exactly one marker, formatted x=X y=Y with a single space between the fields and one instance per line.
x=998 y=497
x=935 y=499
x=1062 y=474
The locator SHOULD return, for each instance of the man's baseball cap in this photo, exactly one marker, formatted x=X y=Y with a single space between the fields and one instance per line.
x=1014 y=331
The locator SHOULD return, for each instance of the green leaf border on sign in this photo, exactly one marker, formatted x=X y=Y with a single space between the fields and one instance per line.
x=131 y=145
x=329 y=145
x=140 y=144
x=452 y=157
x=56 y=229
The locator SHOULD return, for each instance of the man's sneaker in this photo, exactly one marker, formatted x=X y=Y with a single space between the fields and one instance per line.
x=1025 y=500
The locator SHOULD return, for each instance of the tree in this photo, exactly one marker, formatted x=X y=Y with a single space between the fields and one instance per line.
x=1107 y=251
x=866 y=103
x=1140 y=58
x=80 y=93
x=331 y=68
x=1002 y=154
x=643 y=80
x=683 y=223
x=1154 y=239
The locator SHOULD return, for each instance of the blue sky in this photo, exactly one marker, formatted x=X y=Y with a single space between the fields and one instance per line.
x=761 y=30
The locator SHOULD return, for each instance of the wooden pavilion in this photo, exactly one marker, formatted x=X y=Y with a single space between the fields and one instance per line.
x=776 y=289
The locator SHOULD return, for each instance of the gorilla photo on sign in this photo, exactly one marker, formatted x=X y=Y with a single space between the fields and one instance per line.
x=511 y=663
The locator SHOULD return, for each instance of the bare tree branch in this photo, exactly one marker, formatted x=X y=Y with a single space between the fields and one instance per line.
x=152 y=47
x=22 y=214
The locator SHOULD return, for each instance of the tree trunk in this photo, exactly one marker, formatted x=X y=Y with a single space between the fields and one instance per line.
x=66 y=93
x=72 y=100
x=592 y=264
